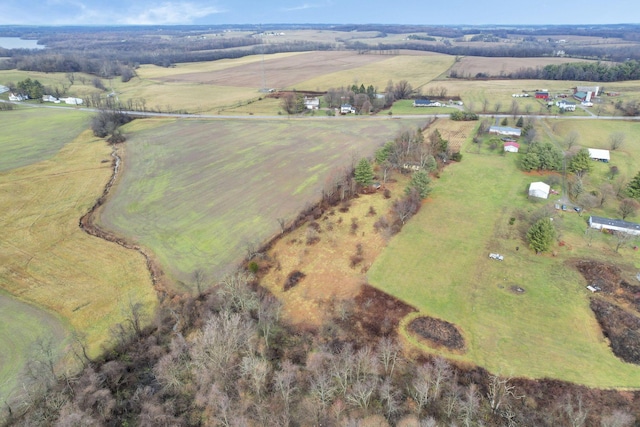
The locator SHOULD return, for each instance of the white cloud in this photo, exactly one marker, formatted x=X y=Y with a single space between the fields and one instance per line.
x=301 y=7
x=167 y=13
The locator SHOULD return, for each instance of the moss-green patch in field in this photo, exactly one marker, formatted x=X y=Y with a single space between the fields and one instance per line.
x=197 y=192
x=21 y=145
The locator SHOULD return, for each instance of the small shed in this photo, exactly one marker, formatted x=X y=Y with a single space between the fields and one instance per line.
x=511 y=146
x=600 y=155
x=539 y=189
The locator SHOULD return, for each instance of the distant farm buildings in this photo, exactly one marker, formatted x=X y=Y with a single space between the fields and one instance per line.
x=542 y=95
x=511 y=147
x=566 y=105
x=312 y=103
x=618 y=225
x=347 y=109
x=539 y=189
x=586 y=93
x=504 y=130
x=426 y=103
x=16 y=98
x=600 y=155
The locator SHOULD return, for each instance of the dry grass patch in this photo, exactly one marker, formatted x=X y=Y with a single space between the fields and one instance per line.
x=469 y=66
x=335 y=266
x=47 y=261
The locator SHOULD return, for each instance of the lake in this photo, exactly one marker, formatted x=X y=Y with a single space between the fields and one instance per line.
x=18 y=43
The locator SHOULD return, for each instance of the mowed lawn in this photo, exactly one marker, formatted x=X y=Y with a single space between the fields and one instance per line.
x=22 y=324
x=197 y=192
x=47 y=261
x=439 y=263
x=20 y=145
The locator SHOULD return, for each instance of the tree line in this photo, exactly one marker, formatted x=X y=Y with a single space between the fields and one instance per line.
x=585 y=71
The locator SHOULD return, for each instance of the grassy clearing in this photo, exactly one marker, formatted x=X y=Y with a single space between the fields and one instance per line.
x=405 y=107
x=20 y=146
x=196 y=192
x=54 y=81
x=22 y=324
x=46 y=260
x=439 y=264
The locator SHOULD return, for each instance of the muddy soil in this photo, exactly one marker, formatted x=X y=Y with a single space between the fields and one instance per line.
x=437 y=332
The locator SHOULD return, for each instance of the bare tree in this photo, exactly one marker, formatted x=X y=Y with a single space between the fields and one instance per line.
x=616 y=140
x=515 y=109
x=322 y=389
x=622 y=239
x=617 y=419
x=628 y=207
x=361 y=392
x=485 y=105
x=402 y=90
x=284 y=382
x=499 y=392
x=198 y=276
x=497 y=106
x=571 y=139
x=420 y=389
x=389 y=354
x=469 y=405
x=390 y=397
x=268 y=315
x=575 y=412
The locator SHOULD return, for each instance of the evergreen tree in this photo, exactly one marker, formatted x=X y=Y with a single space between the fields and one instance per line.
x=541 y=235
x=581 y=163
x=633 y=188
x=364 y=173
x=504 y=122
x=420 y=182
x=520 y=122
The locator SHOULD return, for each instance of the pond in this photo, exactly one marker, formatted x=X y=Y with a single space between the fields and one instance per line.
x=18 y=43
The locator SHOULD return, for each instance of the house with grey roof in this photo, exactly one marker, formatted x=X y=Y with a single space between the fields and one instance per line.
x=618 y=225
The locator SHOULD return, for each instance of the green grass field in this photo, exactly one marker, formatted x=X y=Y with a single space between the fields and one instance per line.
x=20 y=145
x=22 y=324
x=439 y=264
x=405 y=107
x=196 y=192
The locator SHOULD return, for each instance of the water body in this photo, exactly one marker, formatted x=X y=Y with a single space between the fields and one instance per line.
x=18 y=43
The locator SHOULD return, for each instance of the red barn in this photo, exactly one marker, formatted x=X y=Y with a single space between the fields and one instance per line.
x=542 y=95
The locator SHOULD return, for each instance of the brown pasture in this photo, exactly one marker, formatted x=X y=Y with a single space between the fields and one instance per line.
x=279 y=72
x=472 y=65
x=457 y=133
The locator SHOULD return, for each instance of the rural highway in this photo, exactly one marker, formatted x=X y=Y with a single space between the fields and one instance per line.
x=320 y=117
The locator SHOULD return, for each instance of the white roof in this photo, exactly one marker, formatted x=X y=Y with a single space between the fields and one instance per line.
x=539 y=189
x=596 y=153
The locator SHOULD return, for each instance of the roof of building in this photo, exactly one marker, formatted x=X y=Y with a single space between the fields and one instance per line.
x=614 y=223
x=512 y=143
x=422 y=101
x=580 y=94
x=505 y=129
x=596 y=153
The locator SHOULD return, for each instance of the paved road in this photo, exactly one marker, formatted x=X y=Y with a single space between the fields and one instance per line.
x=322 y=117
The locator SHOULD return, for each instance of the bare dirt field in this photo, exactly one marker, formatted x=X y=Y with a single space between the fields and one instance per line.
x=470 y=66
x=280 y=72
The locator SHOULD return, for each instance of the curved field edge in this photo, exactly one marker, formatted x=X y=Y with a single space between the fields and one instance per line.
x=439 y=264
x=21 y=146
x=48 y=261
x=21 y=326
x=197 y=193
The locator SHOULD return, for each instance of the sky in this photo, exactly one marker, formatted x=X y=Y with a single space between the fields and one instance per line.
x=211 y=12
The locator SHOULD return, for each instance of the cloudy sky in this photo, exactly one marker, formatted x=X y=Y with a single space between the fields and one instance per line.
x=149 y=12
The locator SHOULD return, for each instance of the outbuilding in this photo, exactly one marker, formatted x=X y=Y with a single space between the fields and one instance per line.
x=539 y=189
x=504 y=130
x=511 y=147
x=600 y=155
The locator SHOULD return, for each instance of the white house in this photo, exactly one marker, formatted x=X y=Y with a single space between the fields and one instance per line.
x=619 y=225
x=601 y=155
x=566 y=105
x=511 y=147
x=72 y=101
x=539 y=189
x=503 y=130
x=312 y=103
x=347 y=109
x=14 y=97
x=50 y=98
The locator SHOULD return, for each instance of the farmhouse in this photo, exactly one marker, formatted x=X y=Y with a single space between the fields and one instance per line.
x=13 y=97
x=600 y=155
x=426 y=103
x=511 y=146
x=346 y=109
x=503 y=130
x=619 y=225
x=312 y=103
x=566 y=105
x=50 y=98
x=539 y=189
x=72 y=101
x=542 y=95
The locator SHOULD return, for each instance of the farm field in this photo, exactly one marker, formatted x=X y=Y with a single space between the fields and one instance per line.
x=405 y=107
x=439 y=264
x=20 y=146
x=33 y=324
x=469 y=66
x=48 y=262
x=198 y=192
